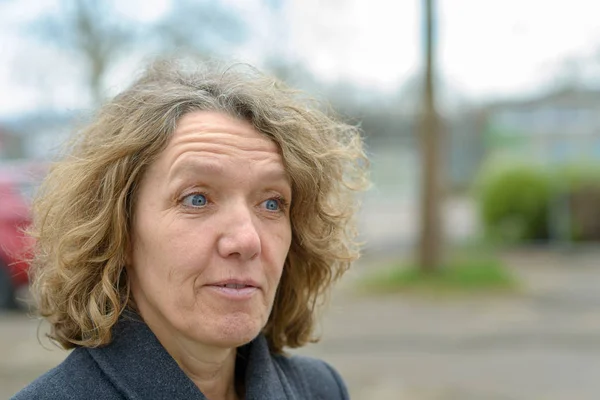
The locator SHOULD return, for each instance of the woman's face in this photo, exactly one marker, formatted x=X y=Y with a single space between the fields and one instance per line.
x=211 y=232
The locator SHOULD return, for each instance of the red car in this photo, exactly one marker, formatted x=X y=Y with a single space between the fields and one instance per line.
x=14 y=244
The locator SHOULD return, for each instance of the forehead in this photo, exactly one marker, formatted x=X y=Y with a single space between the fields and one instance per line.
x=208 y=139
x=214 y=120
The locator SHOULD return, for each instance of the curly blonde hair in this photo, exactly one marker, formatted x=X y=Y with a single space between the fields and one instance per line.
x=83 y=211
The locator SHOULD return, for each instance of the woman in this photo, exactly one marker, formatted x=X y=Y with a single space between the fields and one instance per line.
x=185 y=240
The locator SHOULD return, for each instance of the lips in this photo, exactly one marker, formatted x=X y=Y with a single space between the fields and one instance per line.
x=235 y=284
x=234 y=290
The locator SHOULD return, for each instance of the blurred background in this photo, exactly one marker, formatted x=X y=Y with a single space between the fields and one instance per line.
x=482 y=123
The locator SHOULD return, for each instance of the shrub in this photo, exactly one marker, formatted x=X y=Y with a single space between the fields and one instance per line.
x=516 y=200
x=513 y=203
x=580 y=183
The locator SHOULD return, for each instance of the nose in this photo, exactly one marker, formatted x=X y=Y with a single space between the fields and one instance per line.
x=240 y=237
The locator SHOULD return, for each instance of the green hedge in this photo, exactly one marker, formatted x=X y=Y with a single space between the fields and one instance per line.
x=516 y=201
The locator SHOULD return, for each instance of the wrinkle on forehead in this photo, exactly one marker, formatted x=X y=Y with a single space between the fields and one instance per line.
x=222 y=131
x=214 y=136
x=223 y=143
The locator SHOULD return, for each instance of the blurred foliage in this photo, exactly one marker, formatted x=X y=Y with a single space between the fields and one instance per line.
x=204 y=28
x=513 y=202
x=577 y=176
x=521 y=202
x=94 y=34
x=580 y=185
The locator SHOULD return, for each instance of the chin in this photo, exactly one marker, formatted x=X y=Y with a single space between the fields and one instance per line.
x=236 y=331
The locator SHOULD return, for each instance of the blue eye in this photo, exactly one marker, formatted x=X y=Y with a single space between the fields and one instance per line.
x=195 y=200
x=272 y=205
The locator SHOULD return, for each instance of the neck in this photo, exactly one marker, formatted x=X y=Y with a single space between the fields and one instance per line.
x=212 y=369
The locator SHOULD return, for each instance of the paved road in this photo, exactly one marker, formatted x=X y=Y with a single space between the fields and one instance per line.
x=541 y=344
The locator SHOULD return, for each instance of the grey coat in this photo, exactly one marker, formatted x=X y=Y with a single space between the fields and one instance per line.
x=136 y=366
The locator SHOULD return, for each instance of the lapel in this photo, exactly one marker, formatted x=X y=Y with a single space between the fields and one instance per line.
x=265 y=379
x=140 y=368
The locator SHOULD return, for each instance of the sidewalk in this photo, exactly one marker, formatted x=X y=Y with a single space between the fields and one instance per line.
x=544 y=344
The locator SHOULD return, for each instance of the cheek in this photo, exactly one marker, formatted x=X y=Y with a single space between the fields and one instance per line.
x=279 y=249
x=286 y=241
x=167 y=256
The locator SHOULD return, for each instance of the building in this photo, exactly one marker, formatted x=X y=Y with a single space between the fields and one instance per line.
x=558 y=128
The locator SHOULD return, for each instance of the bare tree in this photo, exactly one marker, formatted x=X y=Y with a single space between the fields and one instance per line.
x=429 y=253
x=199 y=28
x=92 y=33
x=85 y=31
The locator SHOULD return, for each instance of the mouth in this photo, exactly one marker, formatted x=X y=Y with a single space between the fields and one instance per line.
x=235 y=290
x=234 y=285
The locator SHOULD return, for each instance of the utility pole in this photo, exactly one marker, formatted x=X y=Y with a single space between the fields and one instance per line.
x=429 y=253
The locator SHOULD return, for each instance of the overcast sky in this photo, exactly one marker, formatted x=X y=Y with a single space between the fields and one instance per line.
x=487 y=48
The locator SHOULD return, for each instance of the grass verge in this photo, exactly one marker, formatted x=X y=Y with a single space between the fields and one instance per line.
x=460 y=275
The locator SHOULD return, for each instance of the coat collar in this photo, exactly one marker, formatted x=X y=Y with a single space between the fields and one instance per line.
x=140 y=367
